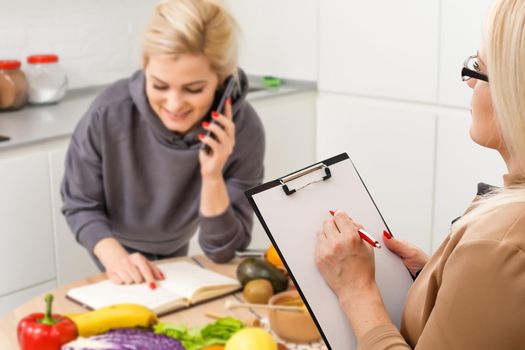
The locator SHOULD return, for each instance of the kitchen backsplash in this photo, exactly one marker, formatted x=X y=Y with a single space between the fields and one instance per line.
x=98 y=41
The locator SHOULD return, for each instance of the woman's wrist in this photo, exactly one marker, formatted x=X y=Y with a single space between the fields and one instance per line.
x=364 y=309
x=349 y=298
x=109 y=251
x=213 y=179
x=214 y=196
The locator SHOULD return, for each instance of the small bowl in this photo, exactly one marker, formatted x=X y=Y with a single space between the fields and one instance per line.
x=293 y=326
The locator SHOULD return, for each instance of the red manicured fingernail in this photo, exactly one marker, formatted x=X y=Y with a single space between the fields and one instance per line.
x=200 y=136
x=332 y=212
x=229 y=100
x=215 y=115
x=387 y=234
x=162 y=275
x=205 y=124
x=152 y=285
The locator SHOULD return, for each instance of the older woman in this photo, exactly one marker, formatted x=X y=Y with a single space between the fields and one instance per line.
x=137 y=182
x=470 y=293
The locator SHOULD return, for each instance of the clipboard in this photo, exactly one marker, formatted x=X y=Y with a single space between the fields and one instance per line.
x=292 y=209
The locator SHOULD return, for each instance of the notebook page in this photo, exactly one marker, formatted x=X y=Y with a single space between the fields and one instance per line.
x=107 y=293
x=184 y=278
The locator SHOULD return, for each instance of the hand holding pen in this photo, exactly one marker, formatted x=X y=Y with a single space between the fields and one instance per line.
x=365 y=235
x=346 y=264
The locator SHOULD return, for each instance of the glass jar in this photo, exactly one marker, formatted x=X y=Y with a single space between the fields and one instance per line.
x=47 y=80
x=13 y=85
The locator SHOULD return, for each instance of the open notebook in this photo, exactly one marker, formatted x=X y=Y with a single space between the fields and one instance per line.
x=185 y=284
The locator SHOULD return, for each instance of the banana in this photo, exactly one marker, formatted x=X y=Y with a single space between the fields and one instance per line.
x=114 y=316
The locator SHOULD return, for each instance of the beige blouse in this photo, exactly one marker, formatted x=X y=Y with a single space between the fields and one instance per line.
x=471 y=293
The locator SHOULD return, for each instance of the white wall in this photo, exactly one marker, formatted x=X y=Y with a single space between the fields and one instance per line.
x=97 y=40
x=278 y=37
x=389 y=74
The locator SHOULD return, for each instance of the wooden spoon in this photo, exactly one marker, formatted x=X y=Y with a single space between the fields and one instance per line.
x=229 y=304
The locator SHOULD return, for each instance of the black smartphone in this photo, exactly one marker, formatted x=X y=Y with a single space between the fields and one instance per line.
x=4 y=138
x=228 y=90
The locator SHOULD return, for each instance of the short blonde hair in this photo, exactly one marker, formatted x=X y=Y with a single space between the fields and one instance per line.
x=204 y=27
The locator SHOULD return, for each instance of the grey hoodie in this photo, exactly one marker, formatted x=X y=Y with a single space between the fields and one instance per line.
x=127 y=176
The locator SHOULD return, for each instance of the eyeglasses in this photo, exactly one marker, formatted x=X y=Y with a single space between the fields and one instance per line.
x=471 y=70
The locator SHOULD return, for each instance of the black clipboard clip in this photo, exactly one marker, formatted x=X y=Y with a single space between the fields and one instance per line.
x=303 y=172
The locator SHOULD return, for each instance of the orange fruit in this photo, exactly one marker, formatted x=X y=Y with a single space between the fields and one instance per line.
x=273 y=258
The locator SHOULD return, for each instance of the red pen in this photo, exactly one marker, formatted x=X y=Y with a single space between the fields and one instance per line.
x=365 y=235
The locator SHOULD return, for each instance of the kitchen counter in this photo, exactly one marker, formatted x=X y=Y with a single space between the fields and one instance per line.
x=33 y=124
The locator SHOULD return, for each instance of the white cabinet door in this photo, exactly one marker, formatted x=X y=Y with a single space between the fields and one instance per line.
x=14 y=300
x=289 y=124
x=380 y=48
x=26 y=237
x=460 y=165
x=72 y=260
x=392 y=146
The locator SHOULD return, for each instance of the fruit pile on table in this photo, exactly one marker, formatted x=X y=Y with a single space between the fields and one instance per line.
x=135 y=327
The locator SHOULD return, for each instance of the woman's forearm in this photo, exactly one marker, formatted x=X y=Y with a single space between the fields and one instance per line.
x=214 y=196
x=365 y=310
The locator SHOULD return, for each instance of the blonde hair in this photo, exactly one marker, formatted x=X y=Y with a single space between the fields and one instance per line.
x=505 y=49
x=204 y=27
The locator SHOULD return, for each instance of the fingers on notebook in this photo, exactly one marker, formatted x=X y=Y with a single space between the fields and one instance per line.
x=146 y=273
x=157 y=272
x=114 y=277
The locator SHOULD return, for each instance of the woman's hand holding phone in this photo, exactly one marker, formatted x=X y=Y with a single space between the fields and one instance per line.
x=221 y=143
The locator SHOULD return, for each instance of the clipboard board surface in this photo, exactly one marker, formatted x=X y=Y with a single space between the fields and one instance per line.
x=291 y=217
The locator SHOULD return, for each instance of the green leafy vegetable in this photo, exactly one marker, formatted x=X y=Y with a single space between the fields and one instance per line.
x=216 y=333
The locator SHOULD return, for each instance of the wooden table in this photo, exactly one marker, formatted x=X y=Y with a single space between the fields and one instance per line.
x=195 y=316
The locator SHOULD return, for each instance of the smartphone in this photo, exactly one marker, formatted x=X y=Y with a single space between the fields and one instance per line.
x=228 y=89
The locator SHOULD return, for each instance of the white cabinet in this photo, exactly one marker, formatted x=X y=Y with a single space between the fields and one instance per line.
x=461 y=23
x=460 y=165
x=14 y=300
x=72 y=260
x=289 y=124
x=27 y=255
x=392 y=146
x=380 y=48
x=38 y=252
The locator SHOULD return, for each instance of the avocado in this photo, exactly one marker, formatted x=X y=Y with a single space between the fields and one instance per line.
x=255 y=268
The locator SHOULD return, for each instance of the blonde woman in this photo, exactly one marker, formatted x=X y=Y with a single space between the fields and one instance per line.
x=470 y=294
x=137 y=183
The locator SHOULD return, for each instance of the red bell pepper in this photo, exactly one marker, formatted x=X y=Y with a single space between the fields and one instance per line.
x=45 y=331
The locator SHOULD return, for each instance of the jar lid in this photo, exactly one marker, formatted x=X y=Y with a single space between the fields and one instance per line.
x=9 y=64
x=42 y=59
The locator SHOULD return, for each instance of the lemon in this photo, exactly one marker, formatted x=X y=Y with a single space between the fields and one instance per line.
x=251 y=338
